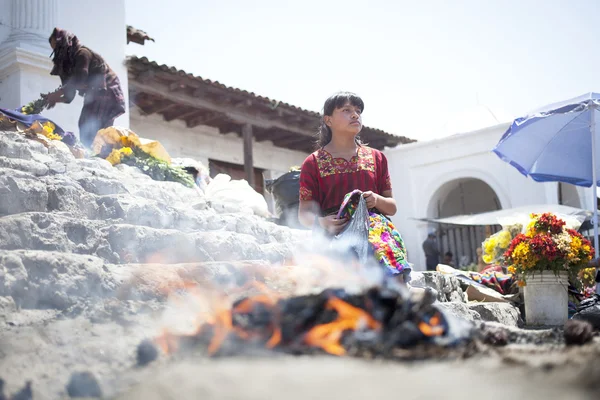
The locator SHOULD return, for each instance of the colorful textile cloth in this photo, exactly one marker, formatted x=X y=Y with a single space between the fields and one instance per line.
x=325 y=179
x=27 y=120
x=387 y=244
x=502 y=283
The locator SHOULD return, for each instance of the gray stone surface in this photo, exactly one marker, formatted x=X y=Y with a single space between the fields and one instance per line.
x=46 y=279
x=448 y=287
x=504 y=313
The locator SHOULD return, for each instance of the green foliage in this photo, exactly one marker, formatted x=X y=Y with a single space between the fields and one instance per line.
x=157 y=169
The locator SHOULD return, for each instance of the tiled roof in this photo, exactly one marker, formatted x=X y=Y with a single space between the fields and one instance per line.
x=143 y=62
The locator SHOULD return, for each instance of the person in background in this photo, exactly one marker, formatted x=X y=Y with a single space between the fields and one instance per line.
x=82 y=70
x=448 y=259
x=432 y=254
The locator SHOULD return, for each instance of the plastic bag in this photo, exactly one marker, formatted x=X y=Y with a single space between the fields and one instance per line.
x=589 y=310
x=285 y=190
x=116 y=137
x=355 y=236
x=237 y=192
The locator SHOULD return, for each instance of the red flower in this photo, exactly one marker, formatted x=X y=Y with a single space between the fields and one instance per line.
x=548 y=222
x=516 y=240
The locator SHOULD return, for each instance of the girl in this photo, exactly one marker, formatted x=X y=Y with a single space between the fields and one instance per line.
x=81 y=69
x=342 y=165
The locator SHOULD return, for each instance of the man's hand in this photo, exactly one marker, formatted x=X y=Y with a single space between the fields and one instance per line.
x=371 y=199
x=52 y=99
x=332 y=224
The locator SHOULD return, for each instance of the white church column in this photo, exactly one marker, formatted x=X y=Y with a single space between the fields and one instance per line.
x=32 y=22
x=24 y=55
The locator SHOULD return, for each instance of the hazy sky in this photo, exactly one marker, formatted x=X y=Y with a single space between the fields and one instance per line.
x=421 y=66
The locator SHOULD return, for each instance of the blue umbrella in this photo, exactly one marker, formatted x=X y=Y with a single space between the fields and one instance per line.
x=558 y=143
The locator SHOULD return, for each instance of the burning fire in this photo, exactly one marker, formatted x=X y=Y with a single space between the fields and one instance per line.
x=270 y=321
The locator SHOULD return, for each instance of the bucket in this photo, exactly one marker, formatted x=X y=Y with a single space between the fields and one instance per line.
x=547 y=299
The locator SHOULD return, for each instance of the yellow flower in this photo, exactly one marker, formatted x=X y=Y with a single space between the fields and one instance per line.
x=521 y=283
x=47 y=130
x=490 y=245
x=53 y=136
x=512 y=270
x=504 y=239
x=522 y=256
x=126 y=151
x=114 y=157
x=487 y=258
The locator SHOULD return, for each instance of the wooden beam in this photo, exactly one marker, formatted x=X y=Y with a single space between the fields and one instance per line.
x=202 y=119
x=287 y=140
x=239 y=116
x=145 y=76
x=160 y=106
x=248 y=156
x=175 y=86
x=182 y=113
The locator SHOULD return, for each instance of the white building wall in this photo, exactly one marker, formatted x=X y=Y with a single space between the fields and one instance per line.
x=421 y=172
x=203 y=142
x=25 y=70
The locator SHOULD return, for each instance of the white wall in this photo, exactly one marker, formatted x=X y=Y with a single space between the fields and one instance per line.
x=5 y=15
x=204 y=142
x=99 y=25
x=420 y=173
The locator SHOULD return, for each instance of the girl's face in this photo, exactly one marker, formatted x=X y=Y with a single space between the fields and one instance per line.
x=345 y=120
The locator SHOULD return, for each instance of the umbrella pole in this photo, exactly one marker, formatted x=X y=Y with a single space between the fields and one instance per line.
x=594 y=185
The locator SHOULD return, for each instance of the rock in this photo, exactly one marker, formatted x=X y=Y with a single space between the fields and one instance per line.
x=24 y=394
x=101 y=186
x=136 y=211
x=578 y=332
x=146 y=352
x=32 y=167
x=230 y=246
x=51 y=232
x=66 y=195
x=7 y=305
x=60 y=152
x=140 y=244
x=83 y=384
x=447 y=286
x=16 y=145
x=504 y=313
x=460 y=310
x=21 y=192
x=493 y=335
x=45 y=279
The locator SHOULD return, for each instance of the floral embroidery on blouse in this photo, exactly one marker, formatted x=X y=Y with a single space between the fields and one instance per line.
x=305 y=194
x=388 y=183
x=363 y=161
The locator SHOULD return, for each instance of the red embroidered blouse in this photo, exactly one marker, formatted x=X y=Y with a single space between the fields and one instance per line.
x=326 y=180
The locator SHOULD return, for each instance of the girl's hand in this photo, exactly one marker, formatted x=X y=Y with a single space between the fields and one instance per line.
x=371 y=199
x=332 y=224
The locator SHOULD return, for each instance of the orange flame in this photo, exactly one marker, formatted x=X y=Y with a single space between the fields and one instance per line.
x=327 y=336
x=432 y=328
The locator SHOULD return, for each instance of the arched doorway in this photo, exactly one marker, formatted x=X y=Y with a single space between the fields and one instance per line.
x=463 y=196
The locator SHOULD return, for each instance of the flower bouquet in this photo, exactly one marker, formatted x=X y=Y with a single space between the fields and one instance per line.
x=496 y=245
x=157 y=169
x=548 y=245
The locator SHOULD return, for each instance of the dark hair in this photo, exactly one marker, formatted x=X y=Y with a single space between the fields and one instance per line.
x=449 y=254
x=338 y=100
